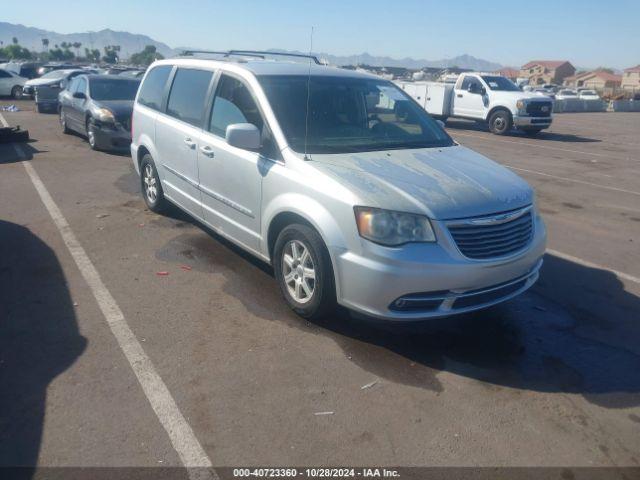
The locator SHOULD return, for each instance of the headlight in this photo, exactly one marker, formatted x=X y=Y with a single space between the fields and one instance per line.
x=393 y=228
x=105 y=115
x=520 y=104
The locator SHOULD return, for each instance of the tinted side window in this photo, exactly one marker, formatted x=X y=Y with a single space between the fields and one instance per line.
x=233 y=104
x=188 y=95
x=470 y=81
x=4 y=74
x=153 y=87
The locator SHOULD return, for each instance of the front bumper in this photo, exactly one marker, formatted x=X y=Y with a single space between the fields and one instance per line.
x=438 y=275
x=112 y=138
x=522 y=121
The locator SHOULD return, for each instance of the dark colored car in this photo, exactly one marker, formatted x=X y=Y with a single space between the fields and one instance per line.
x=99 y=107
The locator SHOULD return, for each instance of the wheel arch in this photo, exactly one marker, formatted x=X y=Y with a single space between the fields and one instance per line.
x=296 y=208
x=497 y=108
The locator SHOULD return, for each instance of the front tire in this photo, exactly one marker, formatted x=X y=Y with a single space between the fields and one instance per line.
x=16 y=92
x=304 y=273
x=151 y=186
x=63 y=122
x=500 y=122
x=91 y=134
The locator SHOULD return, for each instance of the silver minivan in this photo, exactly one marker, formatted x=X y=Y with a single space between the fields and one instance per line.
x=340 y=181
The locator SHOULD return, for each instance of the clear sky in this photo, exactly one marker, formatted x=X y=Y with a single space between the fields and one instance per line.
x=589 y=33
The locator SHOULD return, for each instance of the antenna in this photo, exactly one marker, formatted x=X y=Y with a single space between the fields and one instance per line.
x=306 y=120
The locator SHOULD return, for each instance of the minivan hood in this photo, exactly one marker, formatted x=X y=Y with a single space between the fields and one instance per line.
x=443 y=183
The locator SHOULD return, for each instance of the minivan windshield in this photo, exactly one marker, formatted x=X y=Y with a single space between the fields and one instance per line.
x=500 y=84
x=349 y=114
x=108 y=89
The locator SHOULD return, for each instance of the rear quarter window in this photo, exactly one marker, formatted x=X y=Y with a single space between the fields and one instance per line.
x=152 y=89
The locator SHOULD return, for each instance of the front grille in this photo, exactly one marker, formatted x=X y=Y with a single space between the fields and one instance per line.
x=539 y=109
x=493 y=240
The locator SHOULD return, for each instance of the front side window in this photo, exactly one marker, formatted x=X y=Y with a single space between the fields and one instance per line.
x=152 y=89
x=188 y=95
x=4 y=74
x=349 y=114
x=82 y=85
x=73 y=86
x=468 y=81
x=233 y=104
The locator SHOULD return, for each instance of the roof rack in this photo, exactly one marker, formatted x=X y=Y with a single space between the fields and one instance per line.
x=250 y=53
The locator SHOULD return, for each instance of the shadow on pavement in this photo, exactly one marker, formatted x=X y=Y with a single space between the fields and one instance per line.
x=575 y=332
x=543 y=135
x=39 y=339
x=8 y=153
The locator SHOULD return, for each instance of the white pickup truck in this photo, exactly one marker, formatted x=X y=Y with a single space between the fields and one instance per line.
x=492 y=99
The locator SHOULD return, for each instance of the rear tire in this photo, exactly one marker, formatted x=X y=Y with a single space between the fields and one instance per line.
x=39 y=108
x=500 y=122
x=16 y=92
x=151 y=186
x=304 y=273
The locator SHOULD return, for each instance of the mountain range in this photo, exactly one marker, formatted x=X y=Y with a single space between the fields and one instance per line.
x=130 y=43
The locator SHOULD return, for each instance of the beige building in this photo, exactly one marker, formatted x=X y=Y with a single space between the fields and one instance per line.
x=540 y=72
x=596 y=80
x=631 y=79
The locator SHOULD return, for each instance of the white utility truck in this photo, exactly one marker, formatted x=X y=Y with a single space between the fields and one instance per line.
x=491 y=99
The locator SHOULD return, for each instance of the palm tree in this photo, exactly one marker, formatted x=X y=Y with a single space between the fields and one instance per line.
x=45 y=43
x=15 y=40
x=77 y=46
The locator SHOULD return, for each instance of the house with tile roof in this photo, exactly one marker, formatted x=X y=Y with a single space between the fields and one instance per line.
x=597 y=80
x=540 y=72
x=631 y=79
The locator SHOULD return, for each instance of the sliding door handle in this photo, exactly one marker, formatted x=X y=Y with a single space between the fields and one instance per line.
x=207 y=152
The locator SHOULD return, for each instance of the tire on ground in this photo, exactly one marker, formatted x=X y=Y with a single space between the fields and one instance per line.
x=148 y=171
x=500 y=122
x=323 y=299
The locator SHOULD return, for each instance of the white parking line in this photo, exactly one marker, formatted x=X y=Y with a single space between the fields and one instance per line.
x=536 y=145
x=3 y=121
x=566 y=179
x=180 y=433
x=585 y=263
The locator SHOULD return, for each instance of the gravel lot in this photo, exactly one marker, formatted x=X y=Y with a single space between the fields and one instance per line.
x=551 y=378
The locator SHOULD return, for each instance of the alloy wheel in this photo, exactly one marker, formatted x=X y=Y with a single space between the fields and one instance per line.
x=150 y=186
x=298 y=271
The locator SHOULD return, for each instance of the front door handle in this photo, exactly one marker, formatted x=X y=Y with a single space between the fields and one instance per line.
x=207 y=152
x=459 y=95
x=190 y=143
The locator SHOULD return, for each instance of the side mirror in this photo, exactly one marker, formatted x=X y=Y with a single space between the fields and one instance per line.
x=243 y=135
x=483 y=91
x=79 y=95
